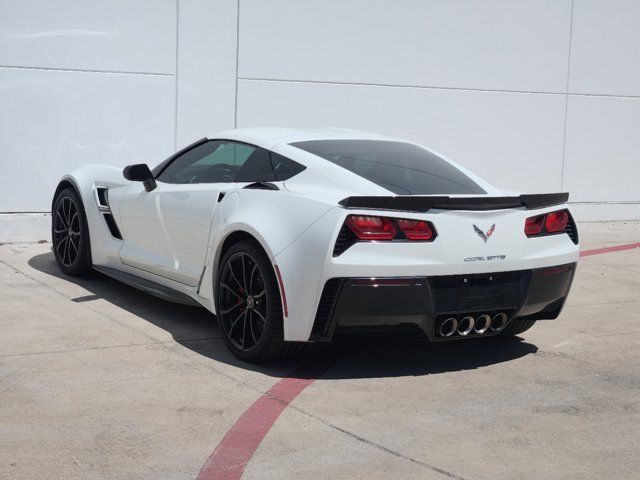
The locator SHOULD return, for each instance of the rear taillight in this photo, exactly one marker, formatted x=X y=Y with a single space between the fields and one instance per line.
x=546 y=224
x=533 y=225
x=371 y=228
x=556 y=221
x=415 y=229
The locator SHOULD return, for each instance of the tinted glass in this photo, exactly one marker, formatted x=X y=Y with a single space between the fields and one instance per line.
x=220 y=161
x=402 y=168
x=285 y=168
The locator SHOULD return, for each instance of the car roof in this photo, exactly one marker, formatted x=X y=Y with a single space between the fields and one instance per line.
x=269 y=137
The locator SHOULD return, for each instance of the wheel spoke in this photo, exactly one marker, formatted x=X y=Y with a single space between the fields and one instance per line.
x=262 y=292
x=67 y=251
x=75 y=215
x=233 y=275
x=244 y=328
x=264 y=320
x=244 y=273
x=253 y=270
x=65 y=239
x=224 y=285
x=253 y=335
x=64 y=224
x=234 y=323
x=68 y=212
x=75 y=247
x=224 y=312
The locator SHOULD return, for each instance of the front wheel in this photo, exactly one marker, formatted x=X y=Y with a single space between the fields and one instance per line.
x=249 y=309
x=70 y=234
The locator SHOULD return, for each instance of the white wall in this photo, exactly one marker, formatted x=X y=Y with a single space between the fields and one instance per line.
x=535 y=95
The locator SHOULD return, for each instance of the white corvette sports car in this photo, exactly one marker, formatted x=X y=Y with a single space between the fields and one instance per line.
x=290 y=236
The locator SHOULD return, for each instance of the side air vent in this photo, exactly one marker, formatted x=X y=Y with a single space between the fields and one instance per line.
x=112 y=226
x=102 y=197
x=103 y=200
x=345 y=239
x=322 y=322
x=572 y=230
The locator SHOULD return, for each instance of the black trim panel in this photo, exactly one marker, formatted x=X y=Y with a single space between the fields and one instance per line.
x=426 y=203
x=349 y=303
x=148 y=286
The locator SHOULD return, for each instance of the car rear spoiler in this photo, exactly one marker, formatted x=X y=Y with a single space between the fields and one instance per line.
x=426 y=203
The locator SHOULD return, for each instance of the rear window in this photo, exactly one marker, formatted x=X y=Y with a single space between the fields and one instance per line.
x=401 y=168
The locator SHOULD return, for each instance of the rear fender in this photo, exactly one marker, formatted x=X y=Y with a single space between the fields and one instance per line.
x=274 y=218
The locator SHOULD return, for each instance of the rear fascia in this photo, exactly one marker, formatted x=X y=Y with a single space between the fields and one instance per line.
x=308 y=263
x=349 y=303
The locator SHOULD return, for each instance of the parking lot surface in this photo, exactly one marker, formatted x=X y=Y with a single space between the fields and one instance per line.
x=98 y=380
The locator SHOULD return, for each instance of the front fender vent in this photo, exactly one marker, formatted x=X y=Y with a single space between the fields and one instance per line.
x=102 y=197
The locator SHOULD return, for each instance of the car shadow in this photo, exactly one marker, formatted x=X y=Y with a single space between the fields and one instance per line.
x=365 y=355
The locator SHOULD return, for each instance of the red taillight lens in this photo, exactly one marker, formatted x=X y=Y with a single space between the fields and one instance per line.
x=371 y=228
x=416 y=229
x=553 y=222
x=533 y=225
x=556 y=221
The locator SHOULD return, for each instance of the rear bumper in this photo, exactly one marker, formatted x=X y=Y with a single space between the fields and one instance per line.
x=426 y=302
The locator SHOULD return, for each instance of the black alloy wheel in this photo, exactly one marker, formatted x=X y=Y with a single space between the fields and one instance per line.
x=69 y=234
x=249 y=307
x=243 y=301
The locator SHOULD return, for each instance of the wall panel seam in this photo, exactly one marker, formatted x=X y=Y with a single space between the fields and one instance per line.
x=235 y=106
x=175 y=80
x=566 y=100
x=431 y=87
x=85 y=70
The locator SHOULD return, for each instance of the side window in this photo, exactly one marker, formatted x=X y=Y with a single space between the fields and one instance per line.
x=284 y=168
x=219 y=161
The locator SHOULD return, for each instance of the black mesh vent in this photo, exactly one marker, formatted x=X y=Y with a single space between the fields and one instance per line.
x=572 y=230
x=112 y=225
x=346 y=238
x=325 y=308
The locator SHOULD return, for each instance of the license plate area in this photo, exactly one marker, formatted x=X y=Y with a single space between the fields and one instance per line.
x=478 y=292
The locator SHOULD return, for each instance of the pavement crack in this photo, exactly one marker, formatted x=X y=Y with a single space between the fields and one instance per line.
x=71 y=350
x=379 y=446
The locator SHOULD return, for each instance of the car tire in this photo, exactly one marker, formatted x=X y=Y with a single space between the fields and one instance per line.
x=248 y=305
x=70 y=234
x=516 y=327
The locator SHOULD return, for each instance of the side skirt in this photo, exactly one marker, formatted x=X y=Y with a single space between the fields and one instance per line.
x=148 y=286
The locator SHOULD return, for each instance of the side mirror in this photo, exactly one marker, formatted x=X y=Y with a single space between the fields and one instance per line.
x=140 y=173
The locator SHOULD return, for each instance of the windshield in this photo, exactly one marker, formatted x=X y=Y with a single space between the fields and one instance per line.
x=402 y=168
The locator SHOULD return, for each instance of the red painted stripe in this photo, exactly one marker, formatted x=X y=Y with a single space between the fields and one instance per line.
x=615 y=248
x=229 y=459
x=284 y=296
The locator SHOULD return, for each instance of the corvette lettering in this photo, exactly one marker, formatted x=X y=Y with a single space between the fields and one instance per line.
x=488 y=258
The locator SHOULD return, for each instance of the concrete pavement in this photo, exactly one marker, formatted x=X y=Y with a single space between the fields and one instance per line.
x=101 y=381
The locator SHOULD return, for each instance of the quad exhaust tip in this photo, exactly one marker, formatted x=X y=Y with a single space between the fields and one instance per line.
x=448 y=327
x=465 y=327
x=498 y=322
x=482 y=324
x=468 y=324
